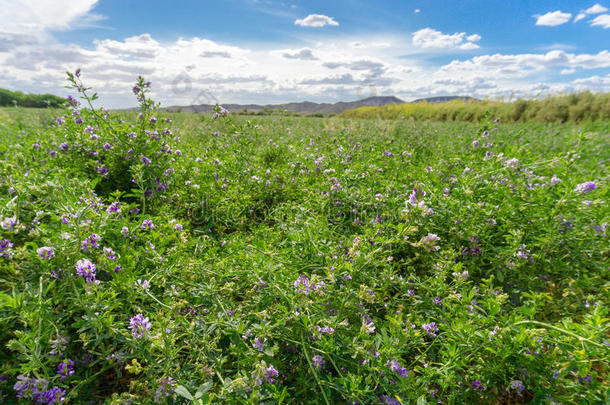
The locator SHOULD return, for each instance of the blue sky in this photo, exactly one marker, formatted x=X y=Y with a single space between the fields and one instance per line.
x=268 y=51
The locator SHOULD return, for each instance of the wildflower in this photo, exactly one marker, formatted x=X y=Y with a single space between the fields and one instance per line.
x=517 y=385
x=523 y=253
x=165 y=389
x=64 y=147
x=9 y=223
x=477 y=385
x=178 y=227
x=430 y=328
x=139 y=326
x=512 y=163
x=65 y=369
x=395 y=366
x=586 y=187
x=146 y=161
x=555 y=180
x=475 y=144
x=368 y=326
x=46 y=252
x=270 y=374
x=92 y=241
x=109 y=253
x=147 y=224
x=428 y=242
x=301 y=285
x=125 y=231
x=493 y=333
x=115 y=207
x=259 y=344
x=86 y=269
x=416 y=198
x=144 y=284
x=53 y=396
x=318 y=361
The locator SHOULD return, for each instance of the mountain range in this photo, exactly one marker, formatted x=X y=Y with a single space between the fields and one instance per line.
x=308 y=107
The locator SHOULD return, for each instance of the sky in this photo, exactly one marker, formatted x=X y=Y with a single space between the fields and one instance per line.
x=268 y=51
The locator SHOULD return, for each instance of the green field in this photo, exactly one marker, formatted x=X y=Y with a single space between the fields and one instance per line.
x=301 y=260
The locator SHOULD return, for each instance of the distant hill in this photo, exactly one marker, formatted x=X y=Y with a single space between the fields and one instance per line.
x=308 y=107
x=444 y=99
x=305 y=107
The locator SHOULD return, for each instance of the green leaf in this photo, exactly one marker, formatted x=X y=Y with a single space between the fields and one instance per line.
x=184 y=393
x=203 y=388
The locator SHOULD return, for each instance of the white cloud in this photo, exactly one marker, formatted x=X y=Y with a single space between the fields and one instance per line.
x=596 y=9
x=567 y=71
x=601 y=21
x=28 y=16
x=416 y=10
x=301 y=54
x=142 y=46
x=429 y=38
x=553 y=18
x=316 y=20
x=579 y=17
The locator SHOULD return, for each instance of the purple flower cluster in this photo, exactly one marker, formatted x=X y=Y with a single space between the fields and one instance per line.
x=139 y=326
x=395 y=366
x=318 y=361
x=478 y=386
x=165 y=389
x=416 y=198
x=5 y=248
x=114 y=208
x=303 y=286
x=86 y=269
x=65 y=369
x=91 y=241
x=270 y=374
x=45 y=252
x=36 y=390
x=430 y=328
x=147 y=224
x=586 y=187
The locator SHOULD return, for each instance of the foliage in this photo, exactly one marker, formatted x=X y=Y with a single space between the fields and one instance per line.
x=18 y=98
x=300 y=260
x=575 y=107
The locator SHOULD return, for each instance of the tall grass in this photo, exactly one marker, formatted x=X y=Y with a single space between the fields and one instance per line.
x=576 y=107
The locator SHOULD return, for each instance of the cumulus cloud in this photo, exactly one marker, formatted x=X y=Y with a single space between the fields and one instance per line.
x=33 y=16
x=596 y=9
x=601 y=21
x=553 y=18
x=301 y=54
x=215 y=54
x=141 y=46
x=428 y=38
x=316 y=20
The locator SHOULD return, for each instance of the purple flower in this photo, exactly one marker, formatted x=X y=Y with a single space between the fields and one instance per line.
x=91 y=241
x=109 y=253
x=86 y=269
x=53 y=396
x=301 y=285
x=523 y=253
x=270 y=374
x=64 y=147
x=65 y=369
x=555 y=180
x=147 y=224
x=46 y=252
x=259 y=344
x=430 y=328
x=586 y=187
x=395 y=366
x=318 y=361
x=125 y=231
x=478 y=385
x=139 y=326
x=416 y=198
x=114 y=208
x=517 y=385
x=165 y=389
x=178 y=227
x=146 y=161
